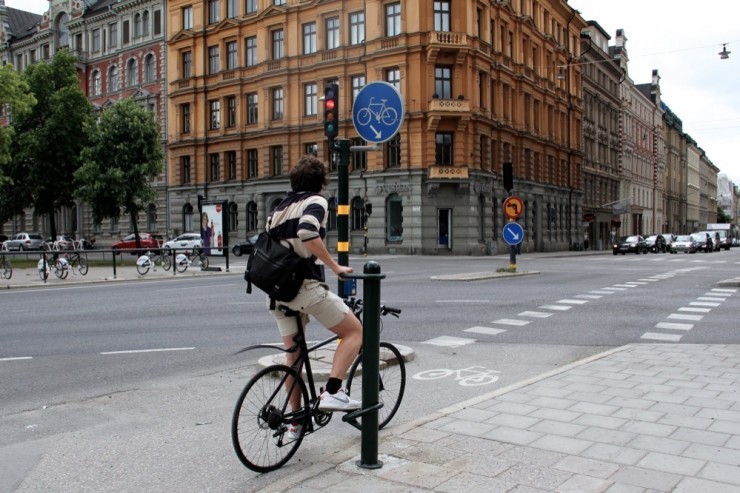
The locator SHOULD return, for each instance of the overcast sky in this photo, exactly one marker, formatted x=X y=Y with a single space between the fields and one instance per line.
x=679 y=38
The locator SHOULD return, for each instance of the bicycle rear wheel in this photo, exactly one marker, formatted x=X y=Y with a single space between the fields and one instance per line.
x=392 y=381
x=82 y=265
x=203 y=259
x=262 y=417
x=181 y=266
x=166 y=261
x=142 y=268
x=7 y=269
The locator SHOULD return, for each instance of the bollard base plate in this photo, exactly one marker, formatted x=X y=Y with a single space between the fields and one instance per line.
x=377 y=465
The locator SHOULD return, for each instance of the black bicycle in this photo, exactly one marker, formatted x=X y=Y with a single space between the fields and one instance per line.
x=77 y=262
x=263 y=413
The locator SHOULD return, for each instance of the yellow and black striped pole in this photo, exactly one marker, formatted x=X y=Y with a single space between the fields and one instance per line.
x=344 y=286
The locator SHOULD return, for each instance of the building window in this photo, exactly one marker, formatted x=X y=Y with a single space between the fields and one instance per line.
x=187 y=218
x=277 y=103
x=232 y=8
x=145 y=23
x=231 y=111
x=393 y=152
x=214 y=11
x=113 y=79
x=252 y=108
x=252 y=164
x=332 y=33
x=231 y=55
x=311 y=149
x=215 y=114
x=137 y=26
x=251 y=6
x=151 y=218
x=96 y=40
x=113 y=35
x=443 y=82
x=185 y=111
x=185 y=167
x=157 y=22
x=279 y=3
x=277 y=44
x=393 y=77
x=126 y=32
x=358 y=82
x=309 y=38
x=357 y=208
x=251 y=51
x=187 y=17
x=442 y=16
x=214 y=167
x=443 y=151
x=149 y=68
x=187 y=65
x=213 y=60
x=276 y=156
x=252 y=216
x=356 y=28
x=96 y=87
x=359 y=159
x=394 y=218
x=231 y=162
x=115 y=226
x=311 y=99
x=131 y=73
x=393 y=19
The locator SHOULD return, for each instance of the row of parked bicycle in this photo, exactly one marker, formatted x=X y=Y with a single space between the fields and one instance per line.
x=701 y=241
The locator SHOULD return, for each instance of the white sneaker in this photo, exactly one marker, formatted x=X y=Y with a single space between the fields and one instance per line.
x=338 y=402
x=294 y=432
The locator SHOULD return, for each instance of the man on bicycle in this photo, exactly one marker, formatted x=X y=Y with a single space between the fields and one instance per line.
x=300 y=219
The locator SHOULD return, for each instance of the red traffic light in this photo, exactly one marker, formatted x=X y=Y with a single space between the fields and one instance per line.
x=330 y=104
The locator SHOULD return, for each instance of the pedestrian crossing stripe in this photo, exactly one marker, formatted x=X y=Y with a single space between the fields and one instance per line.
x=673 y=326
x=511 y=321
x=485 y=330
x=448 y=341
x=661 y=337
x=534 y=314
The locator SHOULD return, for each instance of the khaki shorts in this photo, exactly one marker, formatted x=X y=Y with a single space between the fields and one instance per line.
x=315 y=299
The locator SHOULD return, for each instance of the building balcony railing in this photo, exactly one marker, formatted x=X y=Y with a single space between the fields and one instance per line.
x=231 y=74
x=274 y=65
x=450 y=105
x=183 y=84
x=448 y=38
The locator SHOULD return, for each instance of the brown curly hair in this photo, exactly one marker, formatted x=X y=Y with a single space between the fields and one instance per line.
x=309 y=175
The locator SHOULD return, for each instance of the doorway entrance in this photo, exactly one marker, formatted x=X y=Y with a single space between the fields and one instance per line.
x=444 y=228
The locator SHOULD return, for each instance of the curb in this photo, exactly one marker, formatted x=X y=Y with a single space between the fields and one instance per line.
x=480 y=276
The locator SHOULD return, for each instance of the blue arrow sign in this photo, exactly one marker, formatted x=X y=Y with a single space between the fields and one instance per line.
x=513 y=233
x=377 y=112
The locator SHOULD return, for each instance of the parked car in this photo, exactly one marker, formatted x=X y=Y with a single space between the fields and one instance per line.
x=25 y=241
x=724 y=239
x=656 y=244
x=148 y=241
x=244 y=247
x=706 y=243
x=187 y=241
x=630 y=244
x=685 y=244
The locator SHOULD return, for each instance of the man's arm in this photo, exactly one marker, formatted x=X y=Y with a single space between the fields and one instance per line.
x=318 y=249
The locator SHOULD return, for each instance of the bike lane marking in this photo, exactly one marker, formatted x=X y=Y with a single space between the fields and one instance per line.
x=449 y=341
x=155 y=350
x=17 y=358
x=485 y=330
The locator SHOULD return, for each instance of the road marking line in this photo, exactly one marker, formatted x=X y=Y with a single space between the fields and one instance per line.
x=16 y=358
x=511 y=321
x=625 y=286
x=661 y=337
x=637 y=283
x=601 y=292
x=673 y=326
x=695 y=310
x=572 y=302
x=650 y=279
x=555 y=307
x=159 y=350
x=449 y=341
x=724 y=290
x=724 y=296
x=589 y=296
x=462 y=301
x=485 y=330
x=534 y=314
x=611 y=288
x=703 y=303
x=681 y=316
x=710 y=298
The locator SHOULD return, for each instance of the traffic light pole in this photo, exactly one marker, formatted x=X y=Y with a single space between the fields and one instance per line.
x=345 y=287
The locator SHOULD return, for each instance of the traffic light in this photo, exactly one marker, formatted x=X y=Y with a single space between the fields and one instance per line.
x=508 y=176
x=331 y=111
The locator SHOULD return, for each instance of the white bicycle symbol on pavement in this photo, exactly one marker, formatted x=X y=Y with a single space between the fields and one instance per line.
x=382 y=113
x=468 y=377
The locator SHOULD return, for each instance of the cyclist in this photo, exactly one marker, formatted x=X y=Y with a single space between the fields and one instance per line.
x=300 y=219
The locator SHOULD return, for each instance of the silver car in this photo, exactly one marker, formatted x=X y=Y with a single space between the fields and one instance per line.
x=25 y=241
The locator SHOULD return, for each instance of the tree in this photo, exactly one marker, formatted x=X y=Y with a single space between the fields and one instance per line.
x=722 y=217
x=15 y=99
x=48 y=141
x=124 y=156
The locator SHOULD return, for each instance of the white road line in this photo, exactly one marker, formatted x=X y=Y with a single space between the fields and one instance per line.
x=601 y=292
x=637 y=283
x=485 y=330
x=18 y=358
x=661 y=337
x=695 y=310
x=511 y=321
x=724 y=296
x=709 y=298
x=572 y=302
x=673 y=326
x=682 y=316
x=625 y=286
x=724 y=290
x=449 y=341
x=561 y=308
x=159 y=350
x=703 y=303
x=589 y=296
x=649 y=279
x=611 y=288
x=463 y=301
x=534 y=314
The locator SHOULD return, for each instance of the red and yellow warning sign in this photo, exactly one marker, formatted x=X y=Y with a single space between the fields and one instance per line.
x=513 y=207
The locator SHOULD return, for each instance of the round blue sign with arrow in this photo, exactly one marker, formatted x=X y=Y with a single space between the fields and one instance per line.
x=513 y=233
x=377 y=112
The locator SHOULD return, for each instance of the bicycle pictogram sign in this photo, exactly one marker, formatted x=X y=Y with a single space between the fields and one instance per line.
x=377 y=112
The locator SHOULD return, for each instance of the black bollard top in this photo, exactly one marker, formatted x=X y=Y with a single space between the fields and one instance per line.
x=372 y=267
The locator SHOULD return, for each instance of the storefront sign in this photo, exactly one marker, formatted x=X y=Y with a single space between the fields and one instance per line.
x=392 y=188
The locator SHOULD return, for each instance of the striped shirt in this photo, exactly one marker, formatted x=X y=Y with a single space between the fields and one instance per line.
x=301 y=217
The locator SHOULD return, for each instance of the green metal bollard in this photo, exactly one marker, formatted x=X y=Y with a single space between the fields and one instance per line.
x=370 y=366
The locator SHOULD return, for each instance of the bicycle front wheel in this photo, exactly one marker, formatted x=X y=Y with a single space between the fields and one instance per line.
x=391 y=380
x=60 y=270
x=166 y=261
x=82 y=266
x=7 y=269
x=262 y=416
x=203 y=262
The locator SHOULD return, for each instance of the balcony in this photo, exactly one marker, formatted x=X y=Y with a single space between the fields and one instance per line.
x=449 y=108
x=447 y=41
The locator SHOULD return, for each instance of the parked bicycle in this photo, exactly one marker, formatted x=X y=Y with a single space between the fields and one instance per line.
x=195 y=256
x=77 y=262
x=149 y=261
x=6 y=268
x=263 y=413
x=59 y=265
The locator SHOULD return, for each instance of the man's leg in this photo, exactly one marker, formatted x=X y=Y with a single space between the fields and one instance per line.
x=350 y=331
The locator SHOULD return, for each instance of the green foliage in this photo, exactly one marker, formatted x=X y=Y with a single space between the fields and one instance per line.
x=722 y=217
x=124 y=155
x=16 y=99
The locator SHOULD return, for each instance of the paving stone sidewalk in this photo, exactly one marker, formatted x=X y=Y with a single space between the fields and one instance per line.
x=640 y=418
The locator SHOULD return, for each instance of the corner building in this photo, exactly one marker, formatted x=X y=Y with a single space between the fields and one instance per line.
x=483 y=82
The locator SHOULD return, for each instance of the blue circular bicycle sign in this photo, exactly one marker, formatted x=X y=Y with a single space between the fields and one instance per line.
x=377 y=112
